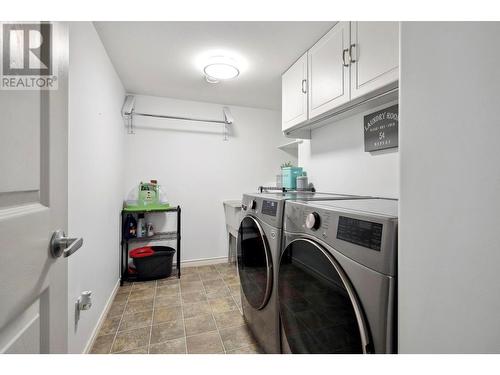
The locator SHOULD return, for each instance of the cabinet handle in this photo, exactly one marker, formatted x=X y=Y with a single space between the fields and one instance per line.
x=304 y=89
x=343 y=57
x=353 y=56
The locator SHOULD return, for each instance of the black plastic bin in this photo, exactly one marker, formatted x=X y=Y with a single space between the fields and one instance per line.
x=153 y=262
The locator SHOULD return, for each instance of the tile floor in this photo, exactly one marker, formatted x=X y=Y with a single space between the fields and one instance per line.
x=200 y=313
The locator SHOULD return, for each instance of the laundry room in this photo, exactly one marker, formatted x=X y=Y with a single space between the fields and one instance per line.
x=196 y=157
x=261 y=187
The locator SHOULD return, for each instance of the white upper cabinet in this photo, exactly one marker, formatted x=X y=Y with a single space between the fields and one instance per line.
x=329 y=71
x=355 y=62
x=374 y=55
x=294 y=94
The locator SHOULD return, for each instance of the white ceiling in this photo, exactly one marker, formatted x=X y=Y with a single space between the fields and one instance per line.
x=159 y=58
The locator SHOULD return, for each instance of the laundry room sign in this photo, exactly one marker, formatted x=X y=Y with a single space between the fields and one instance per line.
x=381 y=129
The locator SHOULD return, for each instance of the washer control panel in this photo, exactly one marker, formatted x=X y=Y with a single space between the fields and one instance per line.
x=264 y=207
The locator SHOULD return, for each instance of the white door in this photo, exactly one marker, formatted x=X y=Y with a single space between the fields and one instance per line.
x=374 y=56
x=33 y=204
x=329 y=71
x=294 y=94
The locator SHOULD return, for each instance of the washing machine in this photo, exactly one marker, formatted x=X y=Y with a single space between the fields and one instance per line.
x=337 y=277
x=258 y=252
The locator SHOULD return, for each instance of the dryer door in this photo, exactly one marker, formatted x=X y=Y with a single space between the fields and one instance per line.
x=319 y=310
x=254 y=263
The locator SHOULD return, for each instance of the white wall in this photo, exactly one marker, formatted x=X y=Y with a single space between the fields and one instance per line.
x=449 y=254
x=335 y=160
x=96 y=144
x=198 y=169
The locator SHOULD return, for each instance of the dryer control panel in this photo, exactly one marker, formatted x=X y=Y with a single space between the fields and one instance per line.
x=269 y=207
x=360 y=232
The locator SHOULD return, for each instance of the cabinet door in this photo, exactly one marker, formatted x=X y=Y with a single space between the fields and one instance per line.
x=328 y=75
x=294 y=94
x=374 y=56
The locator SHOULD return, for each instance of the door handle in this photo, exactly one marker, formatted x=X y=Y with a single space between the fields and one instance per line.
x=344 y=51
x=304 y=90
x=353 y=52
x=62 y=245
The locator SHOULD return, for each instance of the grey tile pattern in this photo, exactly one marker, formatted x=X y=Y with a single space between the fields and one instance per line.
x=199 y=324
x=251 y=349
x=236 y=337
x=206 y=343
x=200 y=313
x=177 y=346
x=128 y=340
x=173 y=329
x=102 y=344
x=143 y=350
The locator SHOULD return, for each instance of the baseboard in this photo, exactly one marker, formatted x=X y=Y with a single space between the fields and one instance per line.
x=203 y=262
x=97 y=327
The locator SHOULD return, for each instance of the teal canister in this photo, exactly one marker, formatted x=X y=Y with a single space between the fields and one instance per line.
x=289 y=176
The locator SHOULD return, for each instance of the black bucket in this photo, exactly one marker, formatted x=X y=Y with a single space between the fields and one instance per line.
x=155 y=265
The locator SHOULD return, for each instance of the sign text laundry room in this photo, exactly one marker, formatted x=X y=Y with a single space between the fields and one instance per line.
x=381 y=129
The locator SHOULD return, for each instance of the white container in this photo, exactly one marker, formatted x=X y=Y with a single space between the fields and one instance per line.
x=302 y=183
x=141 y=227
x=151 y=232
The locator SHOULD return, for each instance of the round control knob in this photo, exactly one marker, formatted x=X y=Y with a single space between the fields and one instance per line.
x=313 y=221
x=253 y=204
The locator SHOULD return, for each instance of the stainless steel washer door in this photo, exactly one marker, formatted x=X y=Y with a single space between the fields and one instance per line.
x=254 y=263
x=319 y=310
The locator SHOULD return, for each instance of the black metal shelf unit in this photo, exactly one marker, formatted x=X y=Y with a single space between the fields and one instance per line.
x=160 y=236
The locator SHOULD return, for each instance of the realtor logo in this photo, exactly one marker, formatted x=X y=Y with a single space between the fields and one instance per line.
x=27 y=57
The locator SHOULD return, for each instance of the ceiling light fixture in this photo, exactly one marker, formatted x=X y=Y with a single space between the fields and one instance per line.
x=220 y=68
